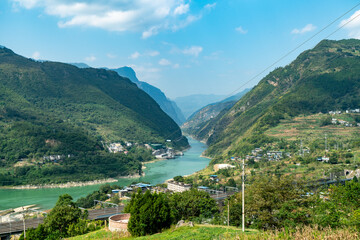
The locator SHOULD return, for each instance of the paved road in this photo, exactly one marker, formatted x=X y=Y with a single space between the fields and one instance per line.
x=18 y=226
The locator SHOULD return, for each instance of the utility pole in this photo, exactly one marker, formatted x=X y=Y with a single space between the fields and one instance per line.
x=229 y=212
x=24 y=223
x=325 y=144
x=301 y=150
x=243 y=196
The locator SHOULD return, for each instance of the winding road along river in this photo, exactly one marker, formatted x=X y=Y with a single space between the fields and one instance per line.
x=155 y=173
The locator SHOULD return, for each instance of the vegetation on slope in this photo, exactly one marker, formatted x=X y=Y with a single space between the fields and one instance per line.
x=205 y=232
x=167 y=105
x=322 y=79
x=55 y=109
x=201 y=117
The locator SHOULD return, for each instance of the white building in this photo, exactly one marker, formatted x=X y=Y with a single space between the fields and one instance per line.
x=178 y=186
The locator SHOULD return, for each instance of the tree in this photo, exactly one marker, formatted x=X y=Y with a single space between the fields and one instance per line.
x=325 y=121
x=150 y=213
x=192 y=204
x=64 y=220
x=179 y=179
x=62 y=215
x=231 y=183
x=269 y=200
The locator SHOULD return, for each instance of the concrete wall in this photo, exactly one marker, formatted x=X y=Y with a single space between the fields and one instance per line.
x=118 y=223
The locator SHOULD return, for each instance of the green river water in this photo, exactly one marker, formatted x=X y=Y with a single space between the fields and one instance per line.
x=155 y=173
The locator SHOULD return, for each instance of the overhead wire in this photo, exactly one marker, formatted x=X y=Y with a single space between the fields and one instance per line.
x=297 y=47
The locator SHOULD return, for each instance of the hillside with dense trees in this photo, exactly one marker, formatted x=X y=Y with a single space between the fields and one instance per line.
x=51 y=108
x=321 y=79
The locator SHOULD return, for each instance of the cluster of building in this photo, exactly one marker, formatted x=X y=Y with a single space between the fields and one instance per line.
x=162 y=152
x=55 y=158
x=342 y=122
x=118 y=147
x=178 y=186
x=357 y=110
x=126 y=191
x=159 y=151
x=323 y=159
x=174 y=186
x=257 y=154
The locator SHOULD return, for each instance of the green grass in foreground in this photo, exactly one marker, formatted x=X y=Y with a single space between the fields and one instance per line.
x=198 y=232
x=212 y=232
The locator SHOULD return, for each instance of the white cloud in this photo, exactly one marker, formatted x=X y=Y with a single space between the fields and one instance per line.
x=352 y=25
x=210 y=6
x=187 y=21
x=182 y=9
x=147 y=73
x=176 y=65
x=308 y=28
x=164 y=62
x=154 y=30
x=194 y=51
x=135 y=55
x=152 y=53
x=110 y=55
x=35 y=55
x=27 y=3
x=241 y=30
x=90 y=58
x=146 y=16
x=213 y=55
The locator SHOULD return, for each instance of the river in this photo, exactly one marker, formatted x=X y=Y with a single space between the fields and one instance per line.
x=156 y=172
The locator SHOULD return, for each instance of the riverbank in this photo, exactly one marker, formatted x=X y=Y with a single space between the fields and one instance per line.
x=63 y=185
x=156 y=173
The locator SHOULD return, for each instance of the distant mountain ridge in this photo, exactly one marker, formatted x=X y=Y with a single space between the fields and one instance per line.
x=321 y=79
x=80 y=65
x=211 y=111
x=98 y=100
x=165 y=103
x=55 y=121
x=190 y=104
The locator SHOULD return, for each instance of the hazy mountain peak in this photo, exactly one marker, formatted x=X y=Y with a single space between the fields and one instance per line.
x=168 y=106
x=80 y=65
x=127 y=72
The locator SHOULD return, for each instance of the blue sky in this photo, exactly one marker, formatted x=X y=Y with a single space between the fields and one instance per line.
x=182 y=47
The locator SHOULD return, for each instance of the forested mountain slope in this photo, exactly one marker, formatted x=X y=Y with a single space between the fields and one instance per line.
x=213 y=110
x=50 y=108
x=166 y=104
x=321 y=79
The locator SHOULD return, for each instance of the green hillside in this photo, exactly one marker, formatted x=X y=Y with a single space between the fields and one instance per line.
x=322 y=79
x=200 y=118
x=52 y=108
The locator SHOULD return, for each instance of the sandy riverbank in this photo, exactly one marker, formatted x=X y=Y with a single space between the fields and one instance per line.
x=64 y=185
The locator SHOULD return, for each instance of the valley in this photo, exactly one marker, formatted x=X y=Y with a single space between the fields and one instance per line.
x=179 y=119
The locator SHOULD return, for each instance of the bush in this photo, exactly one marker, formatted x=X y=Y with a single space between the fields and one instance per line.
x=325 y=121
x=192 y=205
x=150 y=213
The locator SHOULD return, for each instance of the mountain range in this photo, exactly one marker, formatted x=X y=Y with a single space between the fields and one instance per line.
x=205 y=114
x=321 y=79
x=52 y=108
x=165 y=103
x=191 y=103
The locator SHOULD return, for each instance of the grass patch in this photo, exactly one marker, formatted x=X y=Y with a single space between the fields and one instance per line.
x=309 y=126
x=205 y=232
x=198 y=232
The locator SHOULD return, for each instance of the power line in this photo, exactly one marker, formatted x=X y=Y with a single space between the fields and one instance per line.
x=297 y=47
